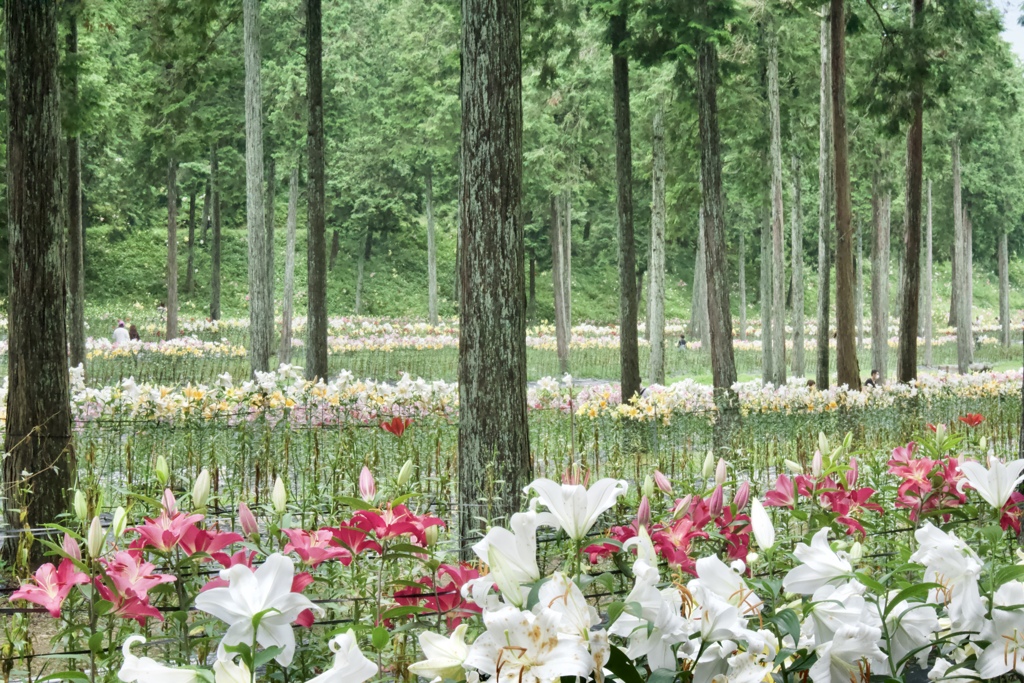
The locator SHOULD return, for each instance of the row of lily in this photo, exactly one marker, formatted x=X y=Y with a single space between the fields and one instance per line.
x=720 y=582
x=284 y=395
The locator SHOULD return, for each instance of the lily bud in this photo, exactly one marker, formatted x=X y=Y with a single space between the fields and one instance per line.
x=71 y=549
x=761 y=525
x=682 y=506
x=716 y=502
x=752 y=558
x=739 y=500
x=940 y=432
x=645 y=547
x=279 y=497
x=161 y=471
x=503 y=576
x=816 y=464
x=856 y=551
x=201 y=490
x=648 y=488
x=405 y=474
x=823 y=443
x=94 y=541
x=662 y=482
x=367 y=487
x=982 y=442
x=81 y=507
x=643 y=514
x=169 y=503
x=430 y=536
x=248 y=521
x=720 y=472
x=793 y=467
x=851 y=474
x=120 y=522
x=709 y=465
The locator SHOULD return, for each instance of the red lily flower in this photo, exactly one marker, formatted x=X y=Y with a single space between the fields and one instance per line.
x=395 y=521
x=128 y=606
x=396 y=425
x=972 y=419
x=353 y=539
x=313 y=547
x=50 y=586
x=196 y=540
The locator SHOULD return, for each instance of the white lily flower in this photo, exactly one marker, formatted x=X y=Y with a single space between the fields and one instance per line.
x=939 y=673
x=563 y=596
x=849 y=656
x=761 y=525
x=820 y=566
x=350 y=664
x=834 y=606
x=994 y=484
x=951 y=563
x=718 y=620
x=713 y=665
x=574 y=508
x=443 y=657
x=512 y=554
x=757 y=662
x=227 y=671
x=523 y=647
x=728 y=585
x=148 y=670
x=660 y=624
x=911 y=626
x=645 y=550
x=266 y=592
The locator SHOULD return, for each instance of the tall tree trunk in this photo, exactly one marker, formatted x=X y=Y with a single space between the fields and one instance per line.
x=969 y=251
x=699 y=302
x=284 y=353
x=260 y=308
x=847 y=367
x=206 y=212
x=269 y=220
x=567 y=259
x=215 y=251
x=778 y=315
x=825 y=191
x=558 y=284
x=629 y=352
x=797 y=238
x=1004 y=290
x=929 y=315
x=190 y=280
x=723 y=363
x=767 y=303
x=954 y=294
x=431 y=247
x=316 y=246
x=76 y=229
x=656 y=319
x=860 y=286
x=879 y=282
x=742 y=264
x=494 y=446
x=964 y=334
x=172 y=249
x=39 y=460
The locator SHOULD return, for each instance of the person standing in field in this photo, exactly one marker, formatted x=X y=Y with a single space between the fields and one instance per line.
x=133 y=333
x=121 y=335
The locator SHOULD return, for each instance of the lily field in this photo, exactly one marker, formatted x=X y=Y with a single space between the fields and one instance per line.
x=230 y=529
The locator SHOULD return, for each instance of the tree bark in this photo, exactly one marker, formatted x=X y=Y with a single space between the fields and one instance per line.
x=656 y=320
x=40 y=462
x=910 y=282
x=269 y=219
x=172 y=249
x=767 y=303
x=723 y=363
x=1004 y=290
x=316 y=246
x=742 y=265
x=431 y=248
x=847 y=367
x=879 y=282
x=260 y=308
x=566 y=243
x=76 y=229
x=778 y=314
x=797 y=239
x=215 y=250
x=284 y=353
x=206 y=211
x=558 y=284
x=825 y=191
x=964 y=334
x=954 y=305
x=969 y=251
x=699 y=302
x=494 y=447
x=929 y=315
x=190 y=280
x=629 y=353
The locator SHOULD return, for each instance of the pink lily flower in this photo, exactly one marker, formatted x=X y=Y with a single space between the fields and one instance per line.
x=783 y=495
x=131 y=576
x=314 y=547
x=196 y=540
x=128 y=606
x=50 y=586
